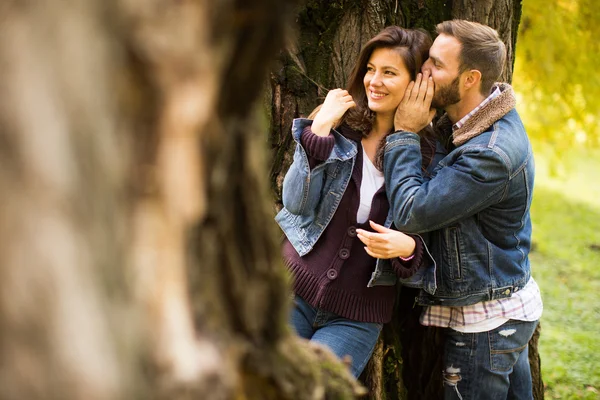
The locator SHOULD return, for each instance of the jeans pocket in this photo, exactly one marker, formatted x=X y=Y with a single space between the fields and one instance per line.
x=507 y=342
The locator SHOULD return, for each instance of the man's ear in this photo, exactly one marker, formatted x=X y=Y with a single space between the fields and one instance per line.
x=472 y=79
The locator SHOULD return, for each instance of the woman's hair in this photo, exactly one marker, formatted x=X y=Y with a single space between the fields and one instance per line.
x=412 y=45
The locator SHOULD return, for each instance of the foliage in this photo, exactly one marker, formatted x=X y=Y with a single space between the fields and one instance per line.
x=566 y=215
x=556 y=72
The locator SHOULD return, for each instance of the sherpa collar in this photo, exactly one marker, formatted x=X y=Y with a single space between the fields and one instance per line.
x=484 y=118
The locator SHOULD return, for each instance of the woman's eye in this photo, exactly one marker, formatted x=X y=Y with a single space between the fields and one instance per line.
x=370 y=69
x=390 y=73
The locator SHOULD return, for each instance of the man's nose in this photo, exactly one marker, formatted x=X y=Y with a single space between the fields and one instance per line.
x=426 y=66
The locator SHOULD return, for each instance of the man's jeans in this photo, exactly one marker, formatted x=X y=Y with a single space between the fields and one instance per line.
x=343 y=336
x=489 y=365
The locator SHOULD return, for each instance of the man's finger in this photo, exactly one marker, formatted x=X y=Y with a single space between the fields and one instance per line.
x=423 y=89
x=415 y=90
x=430 y=92
x=408 y=91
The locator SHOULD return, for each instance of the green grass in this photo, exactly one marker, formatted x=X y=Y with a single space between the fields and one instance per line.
x=566 y=265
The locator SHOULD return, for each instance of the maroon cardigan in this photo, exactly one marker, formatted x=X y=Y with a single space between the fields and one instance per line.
x=333 y=276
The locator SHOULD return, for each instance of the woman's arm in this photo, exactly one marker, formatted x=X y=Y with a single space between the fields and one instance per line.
x=303 y=182
x=406 y=252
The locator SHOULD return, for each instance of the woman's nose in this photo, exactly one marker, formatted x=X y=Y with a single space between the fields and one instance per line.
x=376 y=80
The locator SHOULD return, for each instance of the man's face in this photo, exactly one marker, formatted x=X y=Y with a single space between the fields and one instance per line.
x=443 y=65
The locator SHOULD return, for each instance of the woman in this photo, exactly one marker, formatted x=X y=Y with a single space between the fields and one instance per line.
x=334 y=187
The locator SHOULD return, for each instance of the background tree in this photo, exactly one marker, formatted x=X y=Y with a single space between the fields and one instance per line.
x=137 y=255
x=556 y=73
x=329 y=36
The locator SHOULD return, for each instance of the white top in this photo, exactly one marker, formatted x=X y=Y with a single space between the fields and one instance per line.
x=372 y=180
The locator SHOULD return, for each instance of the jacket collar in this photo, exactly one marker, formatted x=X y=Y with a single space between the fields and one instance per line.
x=482 y=119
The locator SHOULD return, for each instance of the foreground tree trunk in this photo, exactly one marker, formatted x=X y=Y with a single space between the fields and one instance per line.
x=328 y=39
x=137 y=255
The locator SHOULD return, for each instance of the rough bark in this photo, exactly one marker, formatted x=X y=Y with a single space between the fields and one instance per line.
x=407 y=361
x=137 y=250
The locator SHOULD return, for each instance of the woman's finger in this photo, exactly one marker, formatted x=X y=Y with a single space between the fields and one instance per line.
x=371 y=253
x=363 y=238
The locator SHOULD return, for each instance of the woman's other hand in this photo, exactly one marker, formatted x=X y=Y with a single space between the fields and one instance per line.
x=386 y=243
x=337 y=102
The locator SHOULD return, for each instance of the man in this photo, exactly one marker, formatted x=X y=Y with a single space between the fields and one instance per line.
x=476 y=210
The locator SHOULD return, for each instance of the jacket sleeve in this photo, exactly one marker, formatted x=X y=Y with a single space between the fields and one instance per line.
x=303 y=182
x=477 y=178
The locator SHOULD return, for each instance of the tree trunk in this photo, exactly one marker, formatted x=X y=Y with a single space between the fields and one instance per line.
x=328 y=39
x=137 y=245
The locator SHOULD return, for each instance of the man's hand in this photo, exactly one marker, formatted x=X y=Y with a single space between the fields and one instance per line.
x=414 y=112
x=386 y=243
x=337 y=102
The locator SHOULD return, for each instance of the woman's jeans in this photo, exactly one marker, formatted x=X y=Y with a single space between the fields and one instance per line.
x=489 y=365
x=343 y=336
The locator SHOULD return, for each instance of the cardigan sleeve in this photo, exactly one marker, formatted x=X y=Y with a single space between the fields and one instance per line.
x=318 y=148
x=407 y=268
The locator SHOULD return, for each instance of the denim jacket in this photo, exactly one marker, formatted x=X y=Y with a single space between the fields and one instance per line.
x=311 y=197
x=475 y=207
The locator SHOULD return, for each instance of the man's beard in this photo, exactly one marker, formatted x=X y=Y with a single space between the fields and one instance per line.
x=446 y=95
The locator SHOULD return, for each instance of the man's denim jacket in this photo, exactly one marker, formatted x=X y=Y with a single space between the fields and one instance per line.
x=475 y=208
x=310 y=198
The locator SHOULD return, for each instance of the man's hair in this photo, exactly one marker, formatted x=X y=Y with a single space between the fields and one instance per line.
x=481 y=49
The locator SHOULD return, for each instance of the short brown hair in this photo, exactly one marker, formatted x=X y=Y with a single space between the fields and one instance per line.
x=481 y=49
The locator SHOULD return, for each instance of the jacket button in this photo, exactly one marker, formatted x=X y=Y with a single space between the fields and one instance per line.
x=344 y=253
x=332 y=273
x=352 y=231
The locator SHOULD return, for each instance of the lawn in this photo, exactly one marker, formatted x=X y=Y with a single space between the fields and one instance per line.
x=566 y=264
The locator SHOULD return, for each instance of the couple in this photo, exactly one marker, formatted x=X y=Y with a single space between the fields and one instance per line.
x=369 y=166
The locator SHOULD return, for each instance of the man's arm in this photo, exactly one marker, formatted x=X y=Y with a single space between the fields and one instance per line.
x=477 y=178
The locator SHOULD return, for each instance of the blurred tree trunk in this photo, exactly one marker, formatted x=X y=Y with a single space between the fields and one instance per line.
x=137 y=254
x=328 y=39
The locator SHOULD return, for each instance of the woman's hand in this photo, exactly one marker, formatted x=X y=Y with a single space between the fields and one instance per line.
x=337 y=102
x=386 y=243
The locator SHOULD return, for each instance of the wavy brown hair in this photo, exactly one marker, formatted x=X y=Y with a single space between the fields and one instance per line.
x=412 y=45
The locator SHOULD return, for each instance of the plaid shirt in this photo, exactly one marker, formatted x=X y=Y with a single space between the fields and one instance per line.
x=523 y=305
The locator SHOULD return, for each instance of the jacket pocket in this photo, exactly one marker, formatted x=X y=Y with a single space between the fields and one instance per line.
x=453 y=247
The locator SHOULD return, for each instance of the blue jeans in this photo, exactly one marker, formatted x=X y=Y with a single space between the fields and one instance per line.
x=489 y=365
x=343 y=336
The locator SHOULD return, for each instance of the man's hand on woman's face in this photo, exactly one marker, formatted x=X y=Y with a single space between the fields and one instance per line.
x=414 y=112
x=386 y=243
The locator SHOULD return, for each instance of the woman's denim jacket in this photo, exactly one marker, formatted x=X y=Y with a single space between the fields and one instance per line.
x=310 y=198
x=475 y=208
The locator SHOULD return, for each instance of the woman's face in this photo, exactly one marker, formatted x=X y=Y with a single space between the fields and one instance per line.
x=385 y=81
